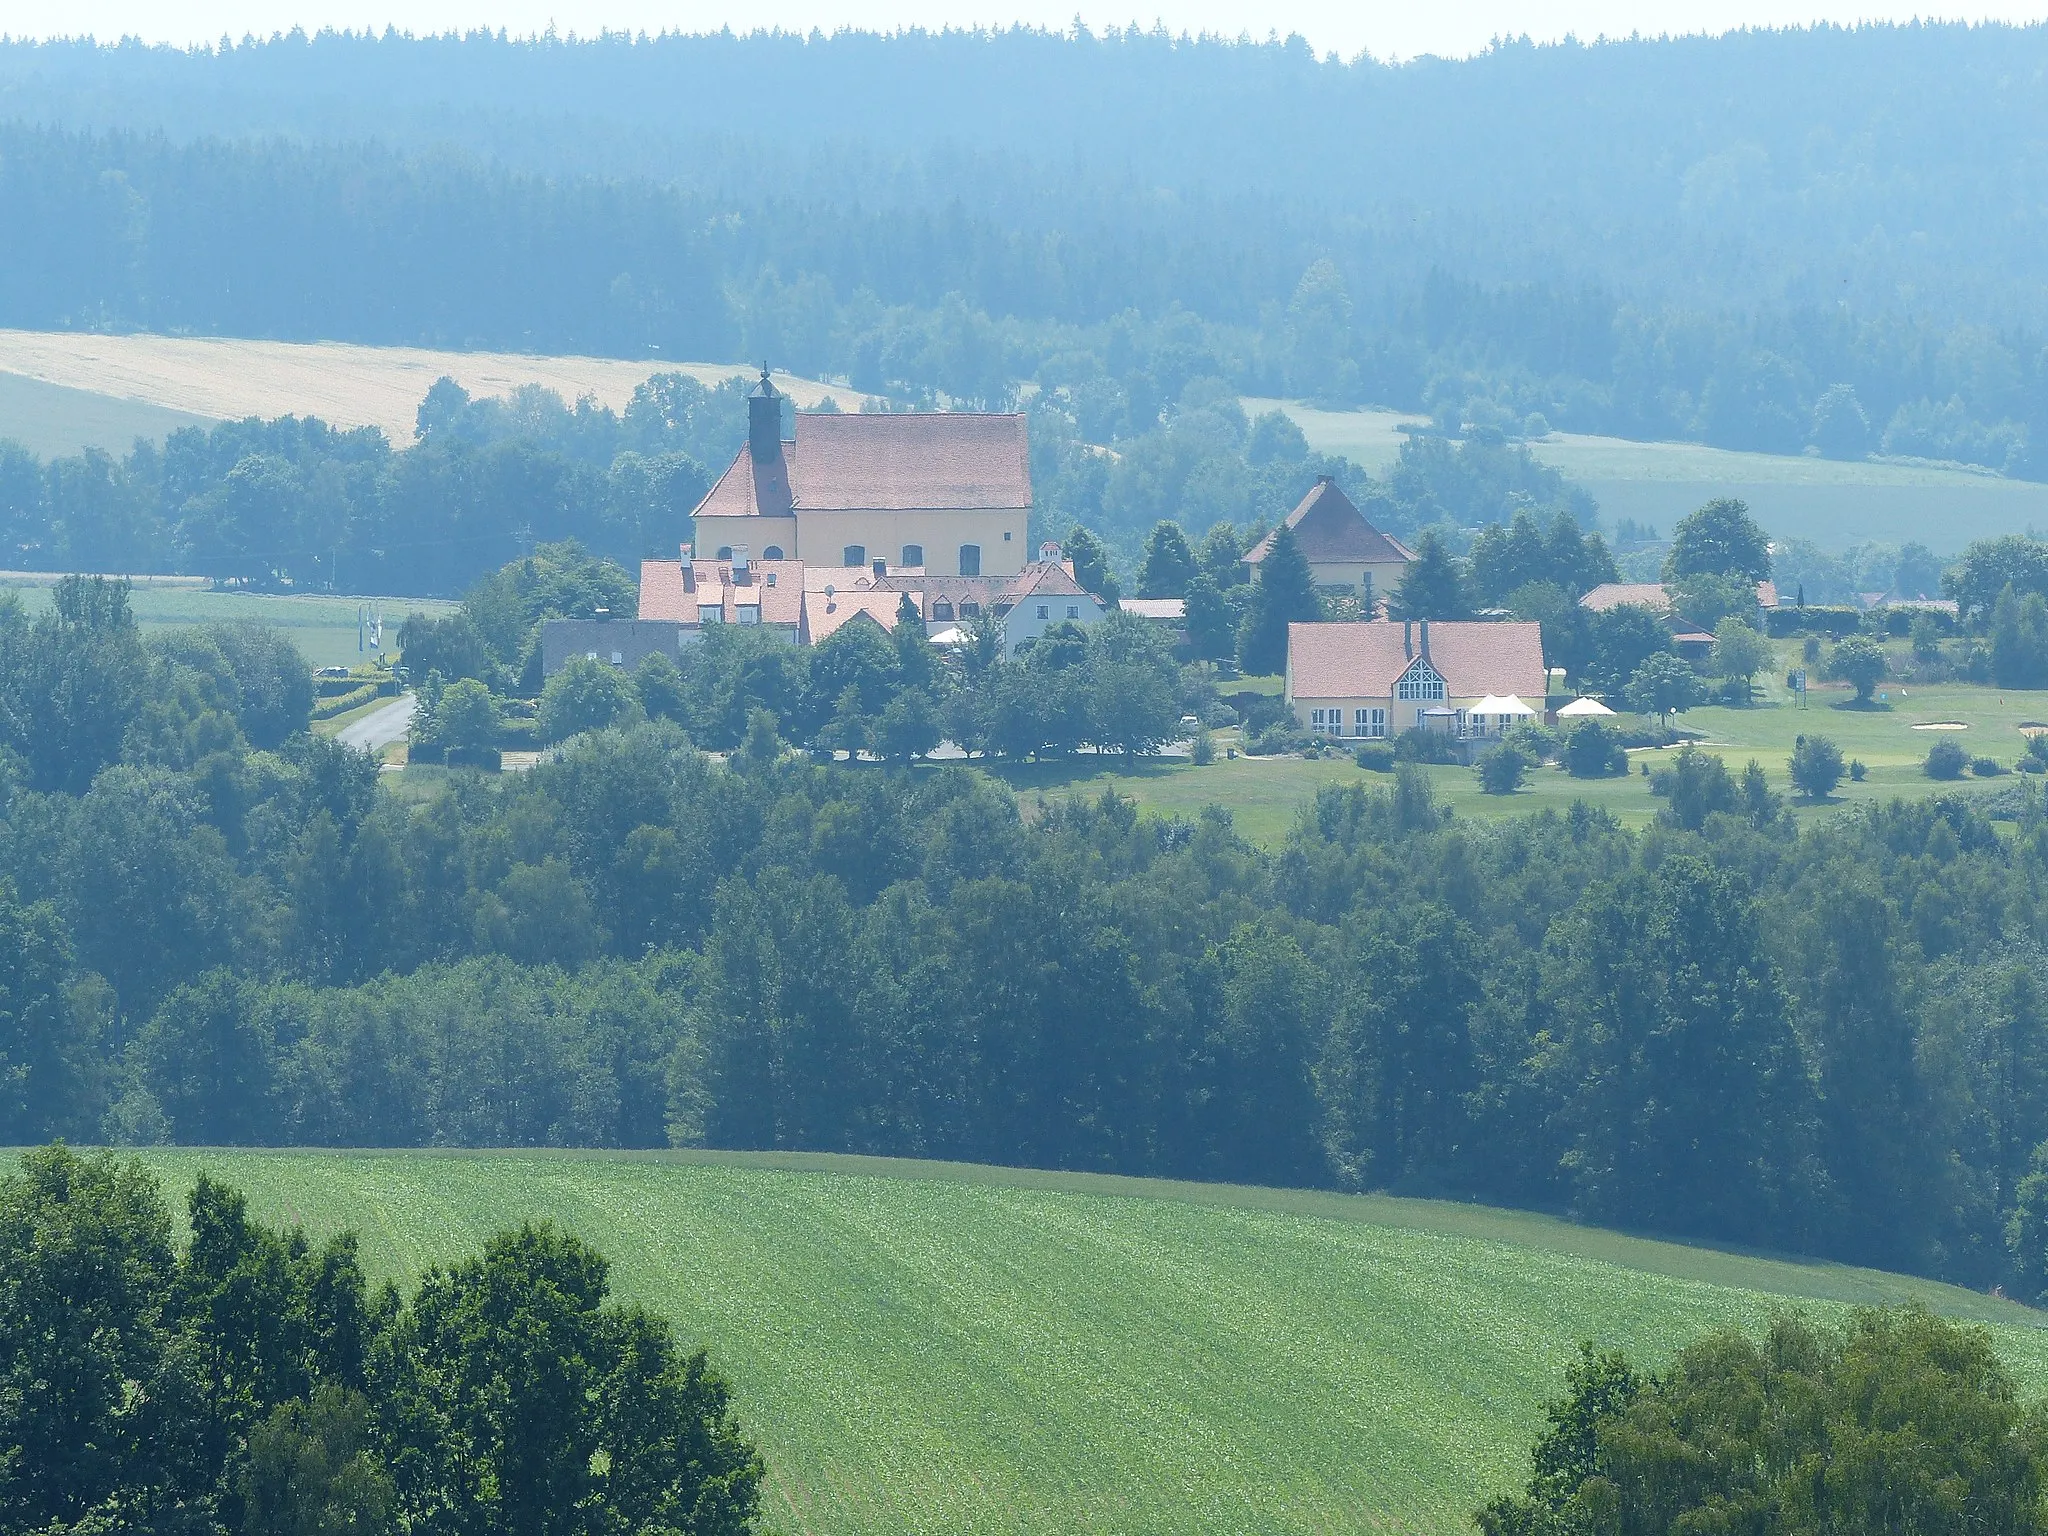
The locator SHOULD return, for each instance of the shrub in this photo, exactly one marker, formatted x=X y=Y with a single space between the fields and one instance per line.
x=1202 y=750
x=1946 y=759
x=1985 y=767
x=1501 y=770
x=342 y=703
x=1857 y=770
x=1375 y=757
x=1275 y=739
x=1594 y=751
x=1816 y=766
x=1860 y=662
x=1416 y=745
x=586 y=695
x=1537 y=742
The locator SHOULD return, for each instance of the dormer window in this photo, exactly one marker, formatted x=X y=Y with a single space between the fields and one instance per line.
x=969 y=610
x=749 y=613
x=942 y=609
x=1420 y=681
x=710 y=613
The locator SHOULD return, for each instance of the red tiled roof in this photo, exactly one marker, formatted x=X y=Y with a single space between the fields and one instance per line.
x=895 y=463
x=1329 y=527
x=1342 y=661
x=823 y=615
x=1618 y=594
x=1653 y=595
x=661 y=592
x=664 y=596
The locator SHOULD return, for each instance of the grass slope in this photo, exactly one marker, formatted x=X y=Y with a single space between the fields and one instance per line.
x=109 y=382
x=53 y=420
x=1835 y=504
x=933 y=1348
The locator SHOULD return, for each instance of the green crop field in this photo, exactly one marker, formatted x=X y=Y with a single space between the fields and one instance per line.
x=932 y=1348
x=1835 y=504
x=323 y=628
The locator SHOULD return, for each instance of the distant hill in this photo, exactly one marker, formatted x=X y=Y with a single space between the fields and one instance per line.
x=1762 y=241
x=929 y=1347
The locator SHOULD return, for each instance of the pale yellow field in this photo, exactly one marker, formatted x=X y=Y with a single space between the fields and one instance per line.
x=349 y=386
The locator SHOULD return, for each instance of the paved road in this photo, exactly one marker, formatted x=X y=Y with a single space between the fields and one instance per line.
x=381 y=727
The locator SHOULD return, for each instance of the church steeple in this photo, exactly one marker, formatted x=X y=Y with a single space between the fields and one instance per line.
x=764 y=420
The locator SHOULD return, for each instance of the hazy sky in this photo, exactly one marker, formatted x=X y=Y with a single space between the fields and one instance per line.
x=1401 y=30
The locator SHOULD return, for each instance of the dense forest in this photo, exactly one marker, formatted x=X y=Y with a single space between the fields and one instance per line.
x=1772 y=240
x=220 y=929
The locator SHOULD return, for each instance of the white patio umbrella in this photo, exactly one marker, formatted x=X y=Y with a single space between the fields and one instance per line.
x=1583 y=709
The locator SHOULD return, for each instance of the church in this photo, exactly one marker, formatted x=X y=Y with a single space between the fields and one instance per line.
x=935 y=493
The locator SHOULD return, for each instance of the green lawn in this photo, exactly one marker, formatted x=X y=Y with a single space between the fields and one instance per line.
x=323 y=628
x=933 y=1348
x=1264 y=795
x=1835 y=504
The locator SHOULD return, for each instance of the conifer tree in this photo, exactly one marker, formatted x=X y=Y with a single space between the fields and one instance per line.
x=1169 y=563
x=1283 y=593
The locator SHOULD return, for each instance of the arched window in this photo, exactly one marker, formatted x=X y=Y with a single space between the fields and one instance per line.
x=724 y=552
x=970 y=559
x=854 y=554
x=913 y=554
x=772 y=552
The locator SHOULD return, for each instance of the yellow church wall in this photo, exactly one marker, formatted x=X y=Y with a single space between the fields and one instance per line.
x=822 y=538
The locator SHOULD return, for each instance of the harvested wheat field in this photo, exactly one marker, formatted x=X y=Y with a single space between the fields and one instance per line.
x=347 y=385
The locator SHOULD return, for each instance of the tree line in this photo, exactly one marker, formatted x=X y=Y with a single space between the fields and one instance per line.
x=295 y=500
x=250 y=1381
x=1831 y=1040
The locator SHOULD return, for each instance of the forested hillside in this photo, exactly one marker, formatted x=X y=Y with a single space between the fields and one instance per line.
x=1768 y=240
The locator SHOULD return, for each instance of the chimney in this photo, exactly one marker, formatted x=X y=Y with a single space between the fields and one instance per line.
x=1424 y=627
x=881 y=569
x=739 y=564
x=689 y=574
x=1408 y=639
x=687 y=554
x=764 y=421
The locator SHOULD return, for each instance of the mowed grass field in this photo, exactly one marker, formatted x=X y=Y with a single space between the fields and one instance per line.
x=62 y=390
x=935 y=1348
x=1835 y=504
x=322 y=627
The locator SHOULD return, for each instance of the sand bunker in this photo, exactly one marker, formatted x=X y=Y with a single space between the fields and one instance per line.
x=1942 y=725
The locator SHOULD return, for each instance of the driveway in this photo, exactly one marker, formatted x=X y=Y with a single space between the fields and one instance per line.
x=380 y=727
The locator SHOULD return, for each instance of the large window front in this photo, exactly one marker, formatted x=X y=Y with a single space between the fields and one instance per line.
x=1369 y=722
x=1420 y=682
x=970 y=559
